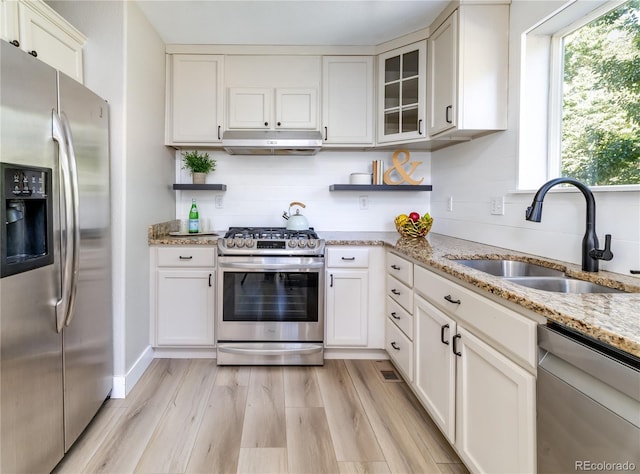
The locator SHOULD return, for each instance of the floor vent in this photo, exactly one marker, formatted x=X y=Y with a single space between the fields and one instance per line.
x=390 y=376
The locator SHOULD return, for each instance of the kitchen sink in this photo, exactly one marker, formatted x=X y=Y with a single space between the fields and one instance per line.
x=534 y=276
x=562 y=285
x=510 y=268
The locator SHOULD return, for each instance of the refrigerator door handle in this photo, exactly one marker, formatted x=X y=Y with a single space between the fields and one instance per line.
x=64 y=304
x=75 y=221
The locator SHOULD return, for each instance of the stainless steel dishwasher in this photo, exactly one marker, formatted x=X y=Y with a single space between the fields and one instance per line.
x=588 y=404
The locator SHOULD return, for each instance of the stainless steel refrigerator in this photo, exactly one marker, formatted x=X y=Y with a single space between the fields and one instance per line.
x=56 y=350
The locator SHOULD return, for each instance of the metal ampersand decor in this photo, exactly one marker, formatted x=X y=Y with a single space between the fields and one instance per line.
x=405 y=176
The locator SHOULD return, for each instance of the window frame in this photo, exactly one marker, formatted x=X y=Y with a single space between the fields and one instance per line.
x=544 y=42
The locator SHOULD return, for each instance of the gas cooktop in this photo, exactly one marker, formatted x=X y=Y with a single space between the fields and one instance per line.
x=270 y=241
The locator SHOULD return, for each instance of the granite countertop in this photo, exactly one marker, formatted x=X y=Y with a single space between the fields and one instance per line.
x=613 y=318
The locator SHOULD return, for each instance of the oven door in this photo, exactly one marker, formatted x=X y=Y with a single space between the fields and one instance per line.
x=264 y=299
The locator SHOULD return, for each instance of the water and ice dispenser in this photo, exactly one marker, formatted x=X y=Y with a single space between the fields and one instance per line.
x=26 y=240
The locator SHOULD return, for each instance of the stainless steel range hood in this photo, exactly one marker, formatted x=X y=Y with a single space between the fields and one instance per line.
x=272 y=142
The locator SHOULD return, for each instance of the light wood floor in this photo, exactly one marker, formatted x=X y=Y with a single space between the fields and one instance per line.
x=192 y=416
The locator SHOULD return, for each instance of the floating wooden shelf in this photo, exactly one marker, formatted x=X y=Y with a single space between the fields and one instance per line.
x=380 y=187
x=200 y=187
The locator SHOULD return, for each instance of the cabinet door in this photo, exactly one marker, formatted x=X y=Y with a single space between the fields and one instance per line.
x=45 y=34
x=249 y=108
x=401 y=95
x=184 y=308
x=495 y=403
x=443 y=76
x=435 y=366
x=9 y=29
x=194 y=102
x=296 y=109
x=347 y=100
x=346 y=307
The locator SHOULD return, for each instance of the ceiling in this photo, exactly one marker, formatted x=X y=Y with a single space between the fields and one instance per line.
x=299 y=22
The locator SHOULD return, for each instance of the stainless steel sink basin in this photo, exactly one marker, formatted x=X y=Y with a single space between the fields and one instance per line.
x=562 y=285
x=510 y=268
x=535 y=276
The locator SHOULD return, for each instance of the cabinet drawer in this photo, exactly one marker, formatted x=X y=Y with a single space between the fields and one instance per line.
x=400 y=293
x=400 y=268
x=347 y=257
x=400 y=349
x=186 y=257
x=513 y=332
x=400 y=317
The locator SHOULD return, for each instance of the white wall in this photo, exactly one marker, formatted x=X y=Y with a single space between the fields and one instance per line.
x=124 y=63
x=472 y=173
x=260 y=188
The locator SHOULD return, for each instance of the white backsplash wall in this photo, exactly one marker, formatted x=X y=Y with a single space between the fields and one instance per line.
x=260 y=188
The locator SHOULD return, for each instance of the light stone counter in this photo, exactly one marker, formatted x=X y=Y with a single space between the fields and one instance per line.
x=613 y=318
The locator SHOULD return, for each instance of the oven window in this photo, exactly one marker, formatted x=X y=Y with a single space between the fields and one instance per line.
x=270 y=296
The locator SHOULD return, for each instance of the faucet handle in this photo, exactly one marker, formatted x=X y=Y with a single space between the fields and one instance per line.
x=605 y=253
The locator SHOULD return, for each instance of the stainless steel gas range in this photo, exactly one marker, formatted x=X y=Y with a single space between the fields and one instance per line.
x=270 y=297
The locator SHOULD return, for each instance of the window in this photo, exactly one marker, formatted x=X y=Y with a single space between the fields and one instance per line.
x=600 y=104
x=580 y=95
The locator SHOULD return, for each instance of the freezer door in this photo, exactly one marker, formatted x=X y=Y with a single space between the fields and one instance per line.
x=88 y=346
x=31 y=404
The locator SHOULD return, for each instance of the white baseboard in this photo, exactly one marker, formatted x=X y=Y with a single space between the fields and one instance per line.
x=122 y=385
x=345 y=353
x=184 y=353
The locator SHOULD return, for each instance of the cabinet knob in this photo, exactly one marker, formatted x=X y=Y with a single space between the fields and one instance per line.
x=16 y=43
x=446 y=113
x=454 y=348
x=394 y=316
x=266 y=124
x=451 y=300
x=278 y=124
x=394 y=345
x=33 y=53
x=442 y=339
x=395 y=267
x=395 y=292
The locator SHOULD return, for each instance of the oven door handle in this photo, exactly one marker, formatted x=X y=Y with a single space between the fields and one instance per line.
x=311 y=349
x=271 y=266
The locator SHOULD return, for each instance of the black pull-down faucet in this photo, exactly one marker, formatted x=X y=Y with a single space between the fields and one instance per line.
x=590 y=251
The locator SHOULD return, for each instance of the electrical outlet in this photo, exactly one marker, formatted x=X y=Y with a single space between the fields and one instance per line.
x=450 y=203
x=219 y=201
x=364 y=202
x=497 y=206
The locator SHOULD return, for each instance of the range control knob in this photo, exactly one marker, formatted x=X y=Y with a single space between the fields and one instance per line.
x=249 y=243
x=311 y=244
x=230 y=243
x=302 y=243
x=239 y=243
x=291 y=243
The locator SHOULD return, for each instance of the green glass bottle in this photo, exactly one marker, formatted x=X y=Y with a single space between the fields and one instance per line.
x=194 y=220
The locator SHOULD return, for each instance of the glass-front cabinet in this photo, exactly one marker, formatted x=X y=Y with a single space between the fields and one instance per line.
x=402 y=79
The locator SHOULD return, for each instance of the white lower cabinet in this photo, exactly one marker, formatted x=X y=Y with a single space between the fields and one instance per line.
x=435 y=375
x=347 y=308
x=354 y=296
x=495 y=409
x=471 y=367
x=182 y=296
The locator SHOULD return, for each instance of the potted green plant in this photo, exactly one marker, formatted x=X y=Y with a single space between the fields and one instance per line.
x=199 y=165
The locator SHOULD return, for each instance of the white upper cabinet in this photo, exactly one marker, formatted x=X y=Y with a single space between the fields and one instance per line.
x=401 y=94
x=40 y=31
x=468 y=72
x=272 y=109
x=272 y=92
x=194 y=108
x=348 y=100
